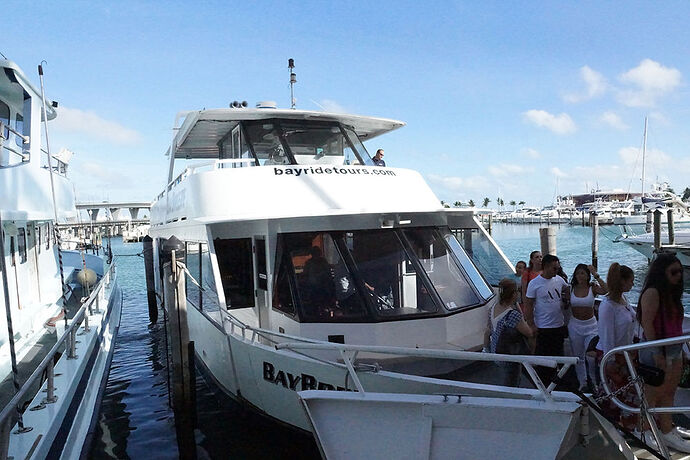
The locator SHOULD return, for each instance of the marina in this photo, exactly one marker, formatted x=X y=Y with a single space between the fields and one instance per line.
x=449 y=230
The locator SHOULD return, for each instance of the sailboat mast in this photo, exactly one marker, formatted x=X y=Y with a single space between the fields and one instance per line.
x=644 y=152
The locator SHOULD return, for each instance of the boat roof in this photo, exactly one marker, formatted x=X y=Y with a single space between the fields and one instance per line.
x=201 y=130
x=15 y=75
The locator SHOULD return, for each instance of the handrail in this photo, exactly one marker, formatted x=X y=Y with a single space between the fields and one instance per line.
x=70 y=331
x=349 y=353
x=633 y=373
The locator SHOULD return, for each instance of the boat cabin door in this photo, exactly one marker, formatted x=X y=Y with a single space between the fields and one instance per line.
x=260 y=279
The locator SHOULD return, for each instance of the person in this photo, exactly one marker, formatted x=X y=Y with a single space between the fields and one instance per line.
x=544 y=313
x=318 y=280
x=378 y=158
x=532 y=271
x=519 y=270
x=582 y=327
x=660 y=312
x=616 y=327
x=504 y=317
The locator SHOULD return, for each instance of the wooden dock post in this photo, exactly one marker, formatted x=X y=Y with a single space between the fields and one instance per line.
x=650 y=218
x=547 y=236
x=671 y=230
x=490 y=224
x=182 y=385
x=150 y=286
x=594 y=222
x=657 y=229
x=583 y=217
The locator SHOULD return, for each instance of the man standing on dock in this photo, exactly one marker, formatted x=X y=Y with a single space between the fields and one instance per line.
x=544 y=313
x=378 y=158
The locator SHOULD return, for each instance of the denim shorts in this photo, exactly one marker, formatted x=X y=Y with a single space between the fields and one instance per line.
x=671 y=352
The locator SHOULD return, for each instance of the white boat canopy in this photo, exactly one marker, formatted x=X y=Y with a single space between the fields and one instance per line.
x=201 y=131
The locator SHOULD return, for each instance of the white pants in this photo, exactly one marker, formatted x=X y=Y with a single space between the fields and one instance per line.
x=581 y=332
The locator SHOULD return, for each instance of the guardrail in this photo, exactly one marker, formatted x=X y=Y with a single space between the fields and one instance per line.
x=7 y=128
x=69 y=339
x=647 y=412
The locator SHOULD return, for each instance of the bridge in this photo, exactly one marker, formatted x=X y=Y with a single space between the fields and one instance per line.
x=94 y=207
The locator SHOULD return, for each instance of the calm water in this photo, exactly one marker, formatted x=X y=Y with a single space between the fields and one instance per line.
x=136 y=422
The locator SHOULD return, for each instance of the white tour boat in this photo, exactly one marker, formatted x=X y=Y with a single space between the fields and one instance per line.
x=309 y=268
x=51 y=382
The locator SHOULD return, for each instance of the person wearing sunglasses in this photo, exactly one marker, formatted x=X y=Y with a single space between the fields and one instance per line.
x=660 y=312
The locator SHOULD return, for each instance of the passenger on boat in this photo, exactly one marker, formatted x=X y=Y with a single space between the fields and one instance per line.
x=378 y=158
x=532 y=271
x=582 y=327
x=318 y=278
x=520 y=267
x=617 y=324
x=543 y=312
x=660 y=312
x=508 y=331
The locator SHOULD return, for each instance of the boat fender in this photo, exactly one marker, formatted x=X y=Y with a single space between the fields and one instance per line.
x=87 y=277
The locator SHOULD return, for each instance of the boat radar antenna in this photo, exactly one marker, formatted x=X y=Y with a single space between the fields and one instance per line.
x=293 y=80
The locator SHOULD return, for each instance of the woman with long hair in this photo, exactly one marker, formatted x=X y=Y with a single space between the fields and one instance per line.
x=504 y=318
x=616 y=327
x=582 y=327
x=532 y=271
x=660 y=311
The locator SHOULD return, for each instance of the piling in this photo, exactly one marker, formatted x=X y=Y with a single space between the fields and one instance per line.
x=594 y=222
x=671 y=230
x=657 y=229
x=490 y=224
x=583 y=217
x=176 y=302
x=547 y=236
x=150 y=285
x=650 y=219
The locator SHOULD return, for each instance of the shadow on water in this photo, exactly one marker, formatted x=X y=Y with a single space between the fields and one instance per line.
x=135 y=419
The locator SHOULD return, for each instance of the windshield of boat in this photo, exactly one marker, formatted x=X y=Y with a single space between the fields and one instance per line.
x=375 y=275
x=484 y=254
x=278 y=142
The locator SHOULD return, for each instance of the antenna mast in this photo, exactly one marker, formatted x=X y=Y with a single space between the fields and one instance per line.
x=644 y=152
x=293 y=80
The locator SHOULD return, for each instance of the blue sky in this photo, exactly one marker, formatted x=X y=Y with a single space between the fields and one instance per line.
x=500 y=98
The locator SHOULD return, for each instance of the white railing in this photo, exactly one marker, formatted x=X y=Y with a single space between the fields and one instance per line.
x=647 y=412
x=23 y=156
x=69 y=340
x=349 y=354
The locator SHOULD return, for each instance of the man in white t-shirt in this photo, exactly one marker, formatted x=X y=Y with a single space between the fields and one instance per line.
x=544 y=311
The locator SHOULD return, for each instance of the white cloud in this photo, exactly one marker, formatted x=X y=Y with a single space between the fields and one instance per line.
x=613 y=120
x=649 y=81
x=559 y=124
x=531 y=153
x=329 y=105
x=457 y=184
x=90 y=124
x=595 y=82
x=504 y=169
x=557 y=172
x=654 y=158
x=99 y=174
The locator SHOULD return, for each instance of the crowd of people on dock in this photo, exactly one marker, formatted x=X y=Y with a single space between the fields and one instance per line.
x=540 y=308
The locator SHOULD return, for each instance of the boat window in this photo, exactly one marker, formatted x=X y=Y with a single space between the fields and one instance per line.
x=19 y=127
x=484 y=254
x=21 y=244
x=314 y=144
x=476 y=277
x=38 y=238
x=209 y=295
x=436 y=257
x=236 y=271
x=13 y=260
x=5 y=119
x=324 y=287
x=265 y=142
x=282 y=294
x=357 y=149
x=193 y=263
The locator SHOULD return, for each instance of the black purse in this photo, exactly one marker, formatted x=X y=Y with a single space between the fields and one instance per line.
x=651 y=375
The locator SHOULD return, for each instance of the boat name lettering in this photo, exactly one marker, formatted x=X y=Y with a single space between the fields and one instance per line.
x=290 y=381
x=319 y=170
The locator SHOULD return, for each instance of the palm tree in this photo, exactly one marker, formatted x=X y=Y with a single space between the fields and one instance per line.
x=457 y=204
x=521 y=203
x=471 y=203
x=512 y=203
x=486 y=202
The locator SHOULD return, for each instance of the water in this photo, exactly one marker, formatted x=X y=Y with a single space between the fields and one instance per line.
x=136 y=421
x=574 y=246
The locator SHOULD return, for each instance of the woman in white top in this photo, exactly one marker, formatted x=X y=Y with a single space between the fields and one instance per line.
x=582 y=327
x=617 y=321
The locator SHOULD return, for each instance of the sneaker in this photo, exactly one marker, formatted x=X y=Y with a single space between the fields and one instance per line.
x=683 y=432
x=647 y=437
x=675 y=442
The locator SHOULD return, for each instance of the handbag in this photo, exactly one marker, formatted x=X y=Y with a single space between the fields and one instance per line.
x=651 y=375
x=512 y=342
